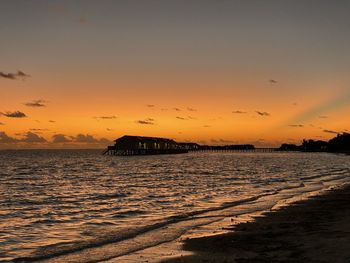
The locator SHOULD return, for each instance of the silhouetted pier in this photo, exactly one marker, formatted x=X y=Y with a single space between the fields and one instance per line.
x=141 y=145
x=235 y=150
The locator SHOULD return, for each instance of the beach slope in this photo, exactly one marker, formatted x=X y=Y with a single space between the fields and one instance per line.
x=313 y=230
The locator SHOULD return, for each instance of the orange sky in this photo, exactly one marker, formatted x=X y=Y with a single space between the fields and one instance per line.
x=213 y=63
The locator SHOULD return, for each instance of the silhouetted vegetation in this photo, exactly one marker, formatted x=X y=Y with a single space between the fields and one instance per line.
x=341 y=143
x=314 y=146
x=289 y=147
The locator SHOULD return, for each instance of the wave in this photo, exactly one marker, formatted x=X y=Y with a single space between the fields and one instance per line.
x=65 y=248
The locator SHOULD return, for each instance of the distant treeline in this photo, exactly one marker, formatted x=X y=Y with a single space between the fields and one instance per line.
x=340 y=143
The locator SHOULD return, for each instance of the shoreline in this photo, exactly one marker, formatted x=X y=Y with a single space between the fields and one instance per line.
x=312 y=230
x=178 y=251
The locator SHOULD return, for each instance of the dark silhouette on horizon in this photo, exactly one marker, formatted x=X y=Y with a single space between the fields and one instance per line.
x=339 y=144
x=142 y=145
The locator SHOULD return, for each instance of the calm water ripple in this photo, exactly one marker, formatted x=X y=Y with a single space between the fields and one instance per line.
x=63 y=198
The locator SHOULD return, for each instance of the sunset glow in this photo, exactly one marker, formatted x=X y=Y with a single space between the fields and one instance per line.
x=238 y=72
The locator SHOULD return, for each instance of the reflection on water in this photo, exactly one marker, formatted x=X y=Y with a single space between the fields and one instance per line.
x=54 y=200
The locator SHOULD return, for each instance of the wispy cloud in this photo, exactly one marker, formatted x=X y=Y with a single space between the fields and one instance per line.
x=1 y=123
x=181 y=118
x=330 y=131
x=60 y=138
x=80 y=139
x=206 y=126
x=147 y=121
x=31 y=137
x=85 y=138
x=111 y=117
x=36 y=103
x=4 y=138
x=38 y=129
x=14 y=76
x=273 y=81
x=191 y=109
x=296 y=125
x=263 y=113
x=176 y=109
x=52 y=121
x=13 y=114
x=239 y=112
x=150 y=105
x=222 y=141
x=323 y=117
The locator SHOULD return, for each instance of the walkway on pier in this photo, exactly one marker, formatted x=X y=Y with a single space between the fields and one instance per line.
x=237 y=150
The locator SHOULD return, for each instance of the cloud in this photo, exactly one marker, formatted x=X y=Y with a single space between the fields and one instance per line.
x=14 y=76
x=323 y=117
x=181 y=118
x=147 y=121
x=150 y=105
x=330 y=131
x=31 y=137
x=239 y=112
x=39 y=131
x=206 y=126
x=108 y=129
x=89 y=139
x=36 y=103
x=4 y=138
x=106 y=117
x=263 y=113
x=296 y=125
x=273 y=81
x=191 y=109
x=192 y=118
x=104 y=141
x=221 y=141
x=13 y=114
x=144 y=122
x=1 y=123
x=60 y=138
x=52 y=121
x=176 y=109
x=85 y=138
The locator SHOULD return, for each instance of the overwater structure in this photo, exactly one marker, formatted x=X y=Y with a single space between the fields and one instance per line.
x=142 y=145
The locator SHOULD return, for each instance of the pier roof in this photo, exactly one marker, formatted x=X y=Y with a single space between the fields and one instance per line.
x=144 y=139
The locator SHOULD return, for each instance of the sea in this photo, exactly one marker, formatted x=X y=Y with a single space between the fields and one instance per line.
x=81 y=206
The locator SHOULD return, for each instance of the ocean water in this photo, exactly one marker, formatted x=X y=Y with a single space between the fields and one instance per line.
x=77 y=205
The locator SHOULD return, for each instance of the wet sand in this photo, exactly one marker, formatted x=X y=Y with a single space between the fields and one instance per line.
x=313 y=230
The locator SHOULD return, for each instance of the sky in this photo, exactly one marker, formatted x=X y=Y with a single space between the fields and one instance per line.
x=79 y=74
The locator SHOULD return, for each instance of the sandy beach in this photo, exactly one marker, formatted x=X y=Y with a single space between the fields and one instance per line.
x=313 y=230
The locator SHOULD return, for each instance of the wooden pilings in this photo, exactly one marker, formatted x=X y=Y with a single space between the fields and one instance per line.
x=111 y=150
x=124 y=152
